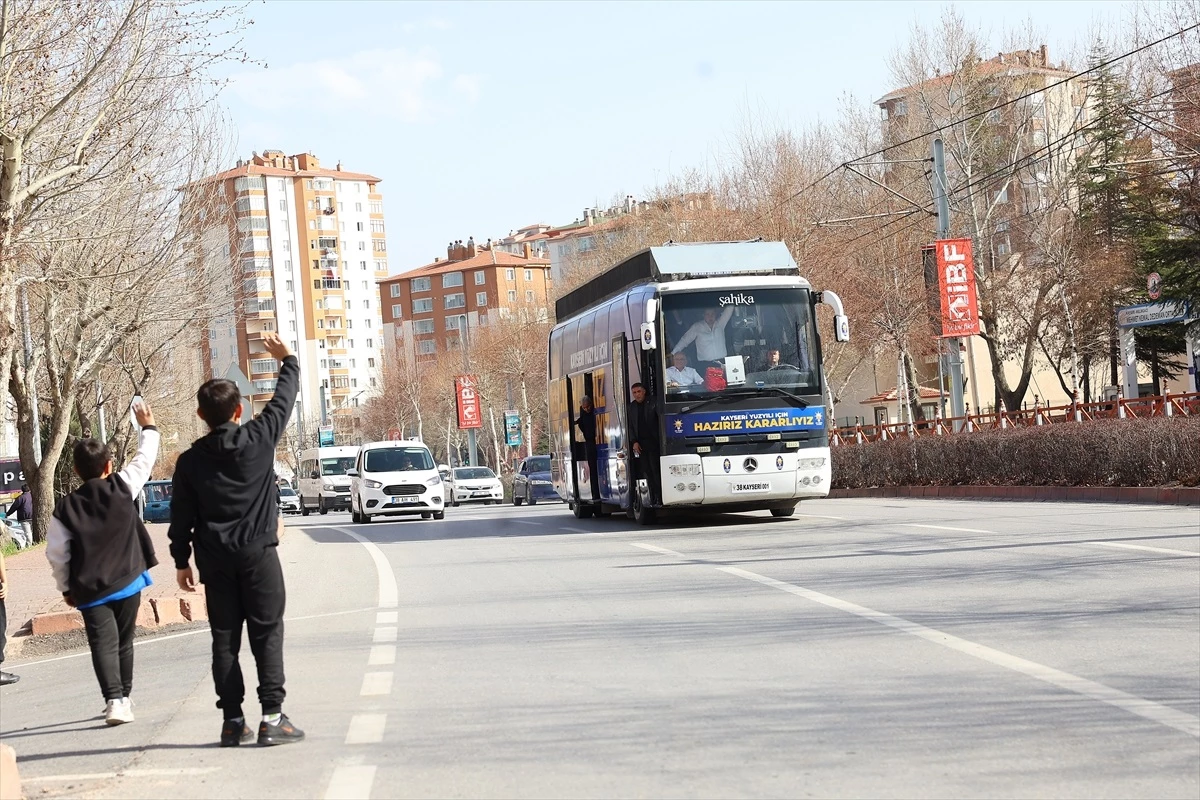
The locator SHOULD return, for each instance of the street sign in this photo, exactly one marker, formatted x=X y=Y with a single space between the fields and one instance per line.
x=1154 y=285
x=1163 y=313
x=395 y=434
x=512 y=428
x=325 y=436
x=956 y=284
x=467 y=400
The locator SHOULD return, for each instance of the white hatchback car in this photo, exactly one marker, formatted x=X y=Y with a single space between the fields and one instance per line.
x=395 y=479
x=475 y=484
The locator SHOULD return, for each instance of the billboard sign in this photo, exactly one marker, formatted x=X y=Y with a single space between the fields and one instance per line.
x=512 y=428
x=325 y=436
x=956 y=286
x=467 y=400
x=11 y=476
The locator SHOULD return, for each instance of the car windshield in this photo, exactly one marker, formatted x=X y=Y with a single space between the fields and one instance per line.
x=286 y=492
x=473 y=473
x=157 y=492
x=398 y=459
x=538 y=464
x=740 y=340
x=337 y=466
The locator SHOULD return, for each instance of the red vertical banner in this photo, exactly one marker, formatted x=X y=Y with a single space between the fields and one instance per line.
x=469 y=414
x=956 y=285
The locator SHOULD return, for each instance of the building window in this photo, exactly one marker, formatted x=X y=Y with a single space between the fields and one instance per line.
x=480 y=278
x=528 y=275
x=426 y=347
x=369 y=344
x=372 y=382
x=456 y=300
x=366 y=303
x=510 y=274
x=900 y=108
x=423 y=326
x=370 y=362
x=283 y=204
x=365 y=286
x=249 y=182
x=261 y=365
x=529 y=295
x=481 y=298
x=291 y=305
x=512 y=295
x=376 y=207
x=1002 y=195
x=395 y=290
x=379 y=245
x=451 y=279
x=358 y=226
x=396 y=311
x=421 y=284
x=288 y=286
x=291 y=324
x=376 y=226
x=358 y=206
x=423 y=305
x=380 y=265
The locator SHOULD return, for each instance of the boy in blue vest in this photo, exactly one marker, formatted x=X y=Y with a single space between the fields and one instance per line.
x=101 y=554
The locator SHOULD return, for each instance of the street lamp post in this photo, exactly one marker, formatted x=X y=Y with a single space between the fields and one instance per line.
x=472 y=452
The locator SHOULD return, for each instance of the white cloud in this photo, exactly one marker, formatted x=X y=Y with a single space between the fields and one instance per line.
x=403 y=84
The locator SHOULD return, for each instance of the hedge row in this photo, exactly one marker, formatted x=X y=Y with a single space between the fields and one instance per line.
x=1133 y=452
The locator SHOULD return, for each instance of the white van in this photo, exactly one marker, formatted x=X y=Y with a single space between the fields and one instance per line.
x=394 y=479
x=322 y=482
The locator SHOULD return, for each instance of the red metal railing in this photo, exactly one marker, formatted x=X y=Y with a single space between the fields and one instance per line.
x=1169 y=405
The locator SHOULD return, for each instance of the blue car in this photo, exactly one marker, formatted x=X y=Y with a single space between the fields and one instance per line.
x=156 y=501
x=531 y=482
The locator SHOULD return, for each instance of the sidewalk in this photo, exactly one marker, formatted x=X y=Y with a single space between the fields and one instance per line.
x=32 y=593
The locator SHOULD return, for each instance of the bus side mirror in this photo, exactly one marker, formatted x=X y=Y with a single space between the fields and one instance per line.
x=649 y=337
x=841 y=323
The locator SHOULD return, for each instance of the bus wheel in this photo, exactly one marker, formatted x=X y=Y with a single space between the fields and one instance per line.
x=783 y=512
x=643 y=515
x=581 y=511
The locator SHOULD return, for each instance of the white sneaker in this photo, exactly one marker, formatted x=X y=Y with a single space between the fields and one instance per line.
x=118 y=712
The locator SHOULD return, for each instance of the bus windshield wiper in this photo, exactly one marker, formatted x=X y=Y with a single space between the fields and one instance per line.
x=748 y=392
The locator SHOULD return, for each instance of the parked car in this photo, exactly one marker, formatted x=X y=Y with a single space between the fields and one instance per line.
x=531 y=481
x=156 y=501
x=394 y=479
x=289 y=501
x=475 y=484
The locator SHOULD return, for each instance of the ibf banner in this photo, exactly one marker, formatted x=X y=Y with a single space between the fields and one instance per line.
x=512 y=428
x=469 y=413
x=723 y=423
x=956 y=282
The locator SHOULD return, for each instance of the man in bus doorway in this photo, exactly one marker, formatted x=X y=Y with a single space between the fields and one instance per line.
x=643 y=432
x=586 y=422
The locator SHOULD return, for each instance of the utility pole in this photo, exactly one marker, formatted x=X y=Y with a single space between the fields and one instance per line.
x=472 y=455
x=954 y=355
x=100 y=408
x=31 y=379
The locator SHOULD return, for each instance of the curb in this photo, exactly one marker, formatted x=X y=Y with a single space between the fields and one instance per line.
x=1153 y=495
x=152 y=612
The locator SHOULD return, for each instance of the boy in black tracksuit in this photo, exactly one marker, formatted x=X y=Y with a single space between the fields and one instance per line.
x=225 y=504
x=101 y=554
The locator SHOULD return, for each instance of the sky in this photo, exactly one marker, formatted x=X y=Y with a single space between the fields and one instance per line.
x=484 y=117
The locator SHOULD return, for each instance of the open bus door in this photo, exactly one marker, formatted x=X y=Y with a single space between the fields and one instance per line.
x=583 y=477
x=617 y=436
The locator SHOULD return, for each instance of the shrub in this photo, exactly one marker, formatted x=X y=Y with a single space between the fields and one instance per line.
x=1132 y=452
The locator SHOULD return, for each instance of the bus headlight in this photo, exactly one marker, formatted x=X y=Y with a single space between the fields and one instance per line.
x=810 y=463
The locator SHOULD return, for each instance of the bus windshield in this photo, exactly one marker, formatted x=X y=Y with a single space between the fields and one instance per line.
x=337 y=466
x=766 y=333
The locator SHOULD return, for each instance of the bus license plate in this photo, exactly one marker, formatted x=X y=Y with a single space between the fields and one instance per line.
x=748 y=487
x=401 y=500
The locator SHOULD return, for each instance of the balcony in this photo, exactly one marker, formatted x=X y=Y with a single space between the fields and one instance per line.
x=327 y=283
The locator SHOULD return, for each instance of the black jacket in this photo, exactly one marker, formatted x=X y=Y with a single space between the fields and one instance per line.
x=225 y=498
x=23 y=506
x=643 y=425
x=110 y=547
x=586 y=422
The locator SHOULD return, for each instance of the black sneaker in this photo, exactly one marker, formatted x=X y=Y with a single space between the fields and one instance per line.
x=281 y=732
x=232 y=737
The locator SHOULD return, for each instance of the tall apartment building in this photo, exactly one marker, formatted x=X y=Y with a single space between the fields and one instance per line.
x=424 y=308
x=309 y=244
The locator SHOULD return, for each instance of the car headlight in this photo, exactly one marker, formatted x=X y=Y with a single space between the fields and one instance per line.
x=329 y=487
x=372 y=484
x=434 y=481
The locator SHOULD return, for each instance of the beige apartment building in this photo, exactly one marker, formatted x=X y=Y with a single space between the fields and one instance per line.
x=423 y=309
x=309 y=243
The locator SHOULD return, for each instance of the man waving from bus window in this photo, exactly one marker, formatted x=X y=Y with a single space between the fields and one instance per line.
x=709 y=335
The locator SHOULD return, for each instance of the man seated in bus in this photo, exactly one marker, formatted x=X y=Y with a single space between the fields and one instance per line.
x=709 y=336
x=680 y=375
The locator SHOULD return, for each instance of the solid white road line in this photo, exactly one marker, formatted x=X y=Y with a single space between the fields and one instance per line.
x=819 y=516
x=376 y=683
x=943 y=528
x=366 y=729
x=129 y=773
x=388 y=594
x=387 y=617
x=382 y=655
x=384 y=635
x=1156 y=712
x=350 y=783
x=656 y=549
x=1163 y=550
